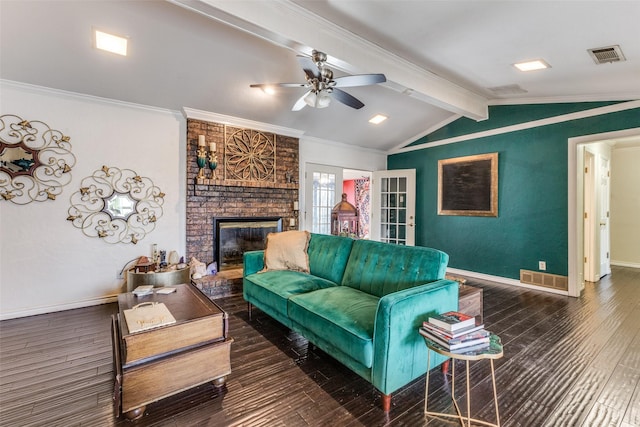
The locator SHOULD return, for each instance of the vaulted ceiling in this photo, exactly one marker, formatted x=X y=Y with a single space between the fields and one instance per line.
x=442 y=59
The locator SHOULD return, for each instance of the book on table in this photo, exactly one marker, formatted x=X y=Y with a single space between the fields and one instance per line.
x=449 y=334
x=452 y=321
x=148 y=315
x=477 y=338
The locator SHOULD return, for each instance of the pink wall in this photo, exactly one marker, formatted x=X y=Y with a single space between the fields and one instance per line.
x=349 y=187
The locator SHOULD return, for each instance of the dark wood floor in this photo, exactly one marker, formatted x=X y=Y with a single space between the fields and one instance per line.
x=568 y=362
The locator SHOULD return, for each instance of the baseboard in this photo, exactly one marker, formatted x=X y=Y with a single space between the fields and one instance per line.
x=503 y=280
x=60 y=307
x=625 y=264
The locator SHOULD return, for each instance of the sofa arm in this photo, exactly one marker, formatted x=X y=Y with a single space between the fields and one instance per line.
x=253 y=262
x=400 y=354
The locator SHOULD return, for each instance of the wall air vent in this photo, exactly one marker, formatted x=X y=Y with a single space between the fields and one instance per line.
x=606 y=54
x=546 y=280
x=507 y=90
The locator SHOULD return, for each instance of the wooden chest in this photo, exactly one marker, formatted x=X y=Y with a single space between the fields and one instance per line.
x=157 y=363
x=470 y=302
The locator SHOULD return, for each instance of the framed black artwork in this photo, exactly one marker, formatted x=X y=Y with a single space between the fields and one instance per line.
x=468 y=185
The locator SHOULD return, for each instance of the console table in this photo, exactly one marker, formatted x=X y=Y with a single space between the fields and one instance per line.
x=156 y=363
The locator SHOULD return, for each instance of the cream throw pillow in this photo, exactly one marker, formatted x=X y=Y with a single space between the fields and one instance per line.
x=287 y=250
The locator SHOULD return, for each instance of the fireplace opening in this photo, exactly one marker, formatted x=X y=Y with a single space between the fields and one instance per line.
x=235 y=236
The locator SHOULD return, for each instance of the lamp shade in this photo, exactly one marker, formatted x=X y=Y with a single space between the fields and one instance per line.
x=320 y=99
x=323 y=100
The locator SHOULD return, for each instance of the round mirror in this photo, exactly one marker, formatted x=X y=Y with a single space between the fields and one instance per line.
x=119 y=205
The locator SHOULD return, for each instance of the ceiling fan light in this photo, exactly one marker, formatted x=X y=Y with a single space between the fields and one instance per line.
x=323 y=100
x=310 y=99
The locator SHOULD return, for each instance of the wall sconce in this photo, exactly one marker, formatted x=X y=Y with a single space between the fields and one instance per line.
x=202 y=156
x=213 y=159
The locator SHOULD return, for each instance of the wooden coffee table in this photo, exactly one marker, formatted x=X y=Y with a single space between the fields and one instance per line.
x=156 y=363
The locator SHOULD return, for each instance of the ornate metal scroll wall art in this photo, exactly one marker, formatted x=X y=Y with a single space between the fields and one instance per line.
x=118 y=206
x=35 y=160
x=250 y=155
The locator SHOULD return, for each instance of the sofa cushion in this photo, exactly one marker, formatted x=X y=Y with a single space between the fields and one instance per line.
x=381 y=268
x=275 y=287
x=287 y=251
x=341 y=315
x=328 y=256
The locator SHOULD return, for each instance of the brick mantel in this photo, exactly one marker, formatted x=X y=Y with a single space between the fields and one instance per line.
x=219 y=198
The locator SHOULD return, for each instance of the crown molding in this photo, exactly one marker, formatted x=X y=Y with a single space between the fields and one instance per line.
x=192 y=113
x=84 y=97
x=527 y=125
x=430 y=130
x=567 y=99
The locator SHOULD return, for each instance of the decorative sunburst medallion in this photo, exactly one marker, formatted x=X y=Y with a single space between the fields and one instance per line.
x=250 y=155
x=116 y=205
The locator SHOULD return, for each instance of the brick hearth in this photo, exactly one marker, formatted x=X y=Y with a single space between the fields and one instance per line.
x=208 y=199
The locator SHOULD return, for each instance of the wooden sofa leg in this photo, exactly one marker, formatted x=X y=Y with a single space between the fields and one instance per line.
x=386 y=402
x=249 y=306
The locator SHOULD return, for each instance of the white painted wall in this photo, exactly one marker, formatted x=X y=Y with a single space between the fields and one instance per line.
x=625 y=207
x=46 y=264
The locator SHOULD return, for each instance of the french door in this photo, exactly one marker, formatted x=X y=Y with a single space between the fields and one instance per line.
x=323 y=190
x=393 y=206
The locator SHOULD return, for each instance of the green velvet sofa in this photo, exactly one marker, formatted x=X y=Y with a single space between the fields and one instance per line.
x=362 y=303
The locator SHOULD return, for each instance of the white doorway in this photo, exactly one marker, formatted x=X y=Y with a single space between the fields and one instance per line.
x=390 y=204
x=604 y=182
x=596 y=202
x=588 y=221
x=577 y=248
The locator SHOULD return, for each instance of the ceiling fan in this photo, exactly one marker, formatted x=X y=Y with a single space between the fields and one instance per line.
x=322 y=86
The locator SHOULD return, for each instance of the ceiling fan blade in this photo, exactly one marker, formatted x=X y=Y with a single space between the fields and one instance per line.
x=264 y=85
x=309 y=67
x=346 y=99
x=360 y=80
x=300 y=104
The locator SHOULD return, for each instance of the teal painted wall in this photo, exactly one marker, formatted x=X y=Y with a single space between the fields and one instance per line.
x=532 y=222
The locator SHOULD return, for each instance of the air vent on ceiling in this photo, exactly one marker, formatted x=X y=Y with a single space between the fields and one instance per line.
x=507 y=90
x=606 y=54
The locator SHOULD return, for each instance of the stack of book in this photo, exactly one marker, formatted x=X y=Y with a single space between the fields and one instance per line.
x=455 y=331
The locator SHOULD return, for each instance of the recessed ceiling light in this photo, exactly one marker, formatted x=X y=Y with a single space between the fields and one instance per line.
x=377 y=119
x=110 y=43
x=536 y=64
x=269 y=90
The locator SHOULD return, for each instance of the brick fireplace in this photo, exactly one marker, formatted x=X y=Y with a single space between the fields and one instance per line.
x=209 y=199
